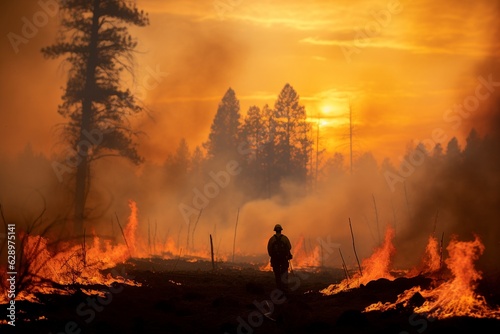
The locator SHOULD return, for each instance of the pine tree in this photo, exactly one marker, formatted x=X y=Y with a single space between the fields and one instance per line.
x=94 y=40
x=293 y=135
x=178 y=165
x=253 y=135
x=223 y=140
x=253 y=132
x=271 y=175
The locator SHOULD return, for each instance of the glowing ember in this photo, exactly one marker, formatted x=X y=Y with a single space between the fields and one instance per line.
x=455 y=297
x=373 y=268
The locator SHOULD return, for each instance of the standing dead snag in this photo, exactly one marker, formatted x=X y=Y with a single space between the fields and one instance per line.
x=235 y=228
x=188 y=233
x=212 y=252
x=84 y=250
x=344 y=267
x=149 y=237
x=354 y=247
x=376 y=218
x=441 y=252
x=194 y=228
x=123 y=233
x=154 y=237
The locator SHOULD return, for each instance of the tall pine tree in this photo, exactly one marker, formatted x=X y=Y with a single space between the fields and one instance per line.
x=293 y=141
x=224 y=138
x=94 y=40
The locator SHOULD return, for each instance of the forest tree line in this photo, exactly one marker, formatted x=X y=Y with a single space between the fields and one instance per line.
x=270 y=144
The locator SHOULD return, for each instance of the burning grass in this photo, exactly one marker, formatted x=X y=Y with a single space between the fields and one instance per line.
x=452 y=294
x=457 y=295
x=65 y=269
x=375 y=267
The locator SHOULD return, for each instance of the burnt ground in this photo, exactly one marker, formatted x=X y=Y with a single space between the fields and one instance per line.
x=177 y=296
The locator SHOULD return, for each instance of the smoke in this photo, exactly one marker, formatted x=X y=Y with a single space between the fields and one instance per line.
x=202 y=61
x=26 y=28
x=458 y=194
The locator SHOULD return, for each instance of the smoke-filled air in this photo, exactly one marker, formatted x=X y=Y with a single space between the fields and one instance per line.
x=182 y=132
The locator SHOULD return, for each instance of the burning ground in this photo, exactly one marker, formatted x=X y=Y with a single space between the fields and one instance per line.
x=140 y=287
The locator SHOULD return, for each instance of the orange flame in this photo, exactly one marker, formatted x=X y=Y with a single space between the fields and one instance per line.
x=131 y=228
x=303 y=259
x=374 y=267
x=67 y=263
x=431 y=261
x=455 y=297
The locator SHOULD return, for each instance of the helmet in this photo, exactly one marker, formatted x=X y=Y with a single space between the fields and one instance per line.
x=278 y=227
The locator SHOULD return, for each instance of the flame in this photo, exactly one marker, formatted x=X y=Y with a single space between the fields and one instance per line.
x=66 y=264
x=303 y=259
x=147 y=248
x=432 y=255
x=131 y=228
x=454 y=297
x=375 y=267
x=432 y=259
x=70 y=264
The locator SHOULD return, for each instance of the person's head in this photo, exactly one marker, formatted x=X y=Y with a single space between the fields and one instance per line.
x=278 y=228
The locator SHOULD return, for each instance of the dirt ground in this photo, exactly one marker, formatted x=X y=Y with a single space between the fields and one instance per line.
x=178 y=296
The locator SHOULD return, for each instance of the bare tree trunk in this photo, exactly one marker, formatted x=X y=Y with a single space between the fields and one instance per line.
x=82 y=173
x=80 y=195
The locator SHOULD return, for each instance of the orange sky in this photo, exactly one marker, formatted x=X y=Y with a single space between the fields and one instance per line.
x=411 y=68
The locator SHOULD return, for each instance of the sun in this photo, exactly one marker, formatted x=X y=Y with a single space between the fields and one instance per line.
x=326 y=109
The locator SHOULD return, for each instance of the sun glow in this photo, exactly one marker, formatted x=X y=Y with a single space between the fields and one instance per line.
x=326 y=109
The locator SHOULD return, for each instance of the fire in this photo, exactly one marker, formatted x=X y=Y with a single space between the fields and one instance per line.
x=301 y=258
x=148 y=247
x=433 y=255
x=375 y=267
x=431 y=261
x=455 y=297
x=131 y=228
x=66 y=264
